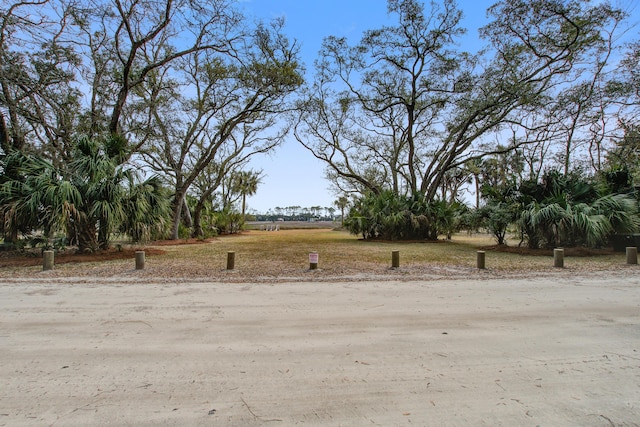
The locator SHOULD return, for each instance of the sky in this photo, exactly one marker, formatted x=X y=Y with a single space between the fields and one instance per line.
x=291 y=175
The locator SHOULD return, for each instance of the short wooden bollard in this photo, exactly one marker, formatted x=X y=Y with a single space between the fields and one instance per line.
x=480 y=257
x=558 y=258
x=632 y=255
x=313 y=261
x=395 y=259
x=139 y=260
x=231 y=260
x=47 y=260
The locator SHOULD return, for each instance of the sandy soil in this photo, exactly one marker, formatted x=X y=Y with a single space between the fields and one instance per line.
x=555 y=350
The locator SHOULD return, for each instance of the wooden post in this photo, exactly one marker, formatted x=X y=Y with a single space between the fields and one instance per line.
x=395 y=259
x=313 y=260
x=558 y=258
x=139 y=260
x=47 y=260
x=231 y=260
x=632 y=255
x=480 y=257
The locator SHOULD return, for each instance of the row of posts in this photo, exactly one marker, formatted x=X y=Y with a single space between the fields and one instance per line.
x=558 y=256
x=48 y=260
x=558 y=259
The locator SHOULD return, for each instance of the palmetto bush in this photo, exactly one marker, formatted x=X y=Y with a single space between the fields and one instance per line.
x=559 y=211
x=146 y=204
x=32 y=196
x=390 y=216
x=95 y=195
x=581 y=224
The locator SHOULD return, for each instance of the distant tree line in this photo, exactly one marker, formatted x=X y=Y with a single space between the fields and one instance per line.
x=298 y=213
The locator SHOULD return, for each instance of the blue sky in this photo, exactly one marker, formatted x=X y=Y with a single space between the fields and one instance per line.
x=293 y=177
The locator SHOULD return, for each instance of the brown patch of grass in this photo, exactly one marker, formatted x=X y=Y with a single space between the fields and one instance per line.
x=572 y=252
x=180 y=242
x=283 y=255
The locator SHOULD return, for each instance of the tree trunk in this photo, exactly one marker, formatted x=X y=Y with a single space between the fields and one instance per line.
x=177 y=215
x=198 y=232
x=10 y=236
x=186 y=213
x=86 y=232
x=244 y=205
x=475 y=179
x=4 y=135
x=103 y=235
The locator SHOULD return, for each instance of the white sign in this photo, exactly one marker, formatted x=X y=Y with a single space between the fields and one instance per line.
x=313 y=258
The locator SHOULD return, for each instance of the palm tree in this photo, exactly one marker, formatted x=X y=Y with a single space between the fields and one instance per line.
x=341 y=203
x=97 y=175
x=279 y=211
x=246 y=184
x=315 y=210
x=474 y=167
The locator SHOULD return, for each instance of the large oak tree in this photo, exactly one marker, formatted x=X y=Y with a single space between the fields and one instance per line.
x=216 y=110
x=404 y=106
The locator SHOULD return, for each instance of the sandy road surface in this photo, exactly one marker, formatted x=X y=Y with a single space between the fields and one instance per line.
x=542 y=351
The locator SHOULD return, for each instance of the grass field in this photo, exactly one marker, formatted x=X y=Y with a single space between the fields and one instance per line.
x=284 y=255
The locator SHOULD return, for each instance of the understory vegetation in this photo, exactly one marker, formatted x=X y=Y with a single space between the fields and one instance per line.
x=559 y=211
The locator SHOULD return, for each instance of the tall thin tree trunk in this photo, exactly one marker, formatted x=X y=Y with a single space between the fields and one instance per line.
x=475 y=178
x=10 y=236
x=244 y=205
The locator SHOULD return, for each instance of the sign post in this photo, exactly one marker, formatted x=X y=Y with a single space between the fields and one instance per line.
x=313 y=261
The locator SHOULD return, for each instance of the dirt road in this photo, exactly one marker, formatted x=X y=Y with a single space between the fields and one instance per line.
x=542 y=351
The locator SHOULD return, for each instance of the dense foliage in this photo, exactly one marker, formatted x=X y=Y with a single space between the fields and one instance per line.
x=92 y=197
x=559 y=211
x=389 y=216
